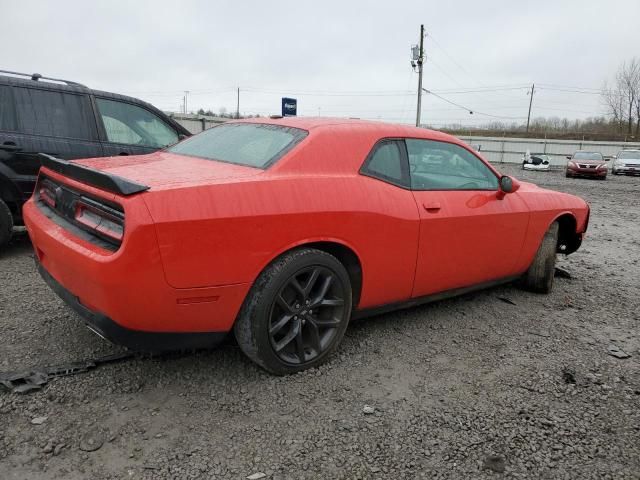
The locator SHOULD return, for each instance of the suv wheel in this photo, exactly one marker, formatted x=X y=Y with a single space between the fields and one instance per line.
x=296 y=313
x=6 y=224
x=539 y=277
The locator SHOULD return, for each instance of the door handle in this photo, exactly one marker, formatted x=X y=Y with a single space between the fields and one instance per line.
x=123 y=154
x=10 y=147
x=431 y=207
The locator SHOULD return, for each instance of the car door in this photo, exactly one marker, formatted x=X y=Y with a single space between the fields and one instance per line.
x=393 y=226
x=468 y=233
x=129 y=129
x=47 y=120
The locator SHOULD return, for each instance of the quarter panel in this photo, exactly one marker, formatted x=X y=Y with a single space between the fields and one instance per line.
x=545 y=207
x=227 y=233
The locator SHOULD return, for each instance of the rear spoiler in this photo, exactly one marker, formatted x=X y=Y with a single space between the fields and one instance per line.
x=96 y=178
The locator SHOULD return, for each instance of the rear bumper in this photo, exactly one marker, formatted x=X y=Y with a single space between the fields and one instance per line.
x=128 y=287
x=132 y=339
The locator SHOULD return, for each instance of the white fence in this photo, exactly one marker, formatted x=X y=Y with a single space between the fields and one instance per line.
x=510 y=150
x=196 y=123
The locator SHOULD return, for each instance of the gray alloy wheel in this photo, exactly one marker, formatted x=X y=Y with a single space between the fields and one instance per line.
x=296 y=313
x=6 y=224
x=539 y=277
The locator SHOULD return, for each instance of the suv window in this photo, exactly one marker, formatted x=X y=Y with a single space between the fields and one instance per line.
x=446 y=166
x=46 y=112
x=7 y=109
x=386 y=162
x=133 y=125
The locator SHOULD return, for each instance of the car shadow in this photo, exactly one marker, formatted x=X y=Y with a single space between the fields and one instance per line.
x=19 y=244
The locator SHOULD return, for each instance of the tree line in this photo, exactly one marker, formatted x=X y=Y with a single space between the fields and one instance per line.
x=621 y=99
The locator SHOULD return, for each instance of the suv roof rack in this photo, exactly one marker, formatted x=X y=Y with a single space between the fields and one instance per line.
x=36 y=76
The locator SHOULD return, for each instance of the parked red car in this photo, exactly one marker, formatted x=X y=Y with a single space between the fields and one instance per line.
x=587 y=164
x=283 y=229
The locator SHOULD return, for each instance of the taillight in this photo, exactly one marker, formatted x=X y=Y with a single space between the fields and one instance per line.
x=47 y=193
x=103 y=220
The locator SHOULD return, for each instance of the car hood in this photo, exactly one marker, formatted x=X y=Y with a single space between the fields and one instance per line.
x=588 y=162
x=629 y=161
x=163 y=170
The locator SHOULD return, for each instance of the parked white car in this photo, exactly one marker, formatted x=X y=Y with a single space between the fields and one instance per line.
x=536 y=161
x=626 y=162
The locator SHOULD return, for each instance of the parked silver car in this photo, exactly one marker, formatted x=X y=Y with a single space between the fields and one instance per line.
x=627 y=162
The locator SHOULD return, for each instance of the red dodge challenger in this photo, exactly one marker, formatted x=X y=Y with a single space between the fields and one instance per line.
x=284 y=229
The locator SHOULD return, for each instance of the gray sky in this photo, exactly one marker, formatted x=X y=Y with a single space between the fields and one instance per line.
x=338 y=58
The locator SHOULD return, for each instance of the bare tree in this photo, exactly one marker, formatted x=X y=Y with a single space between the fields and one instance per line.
x=623 y=99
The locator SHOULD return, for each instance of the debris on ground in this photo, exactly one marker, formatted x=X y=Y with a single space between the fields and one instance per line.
x=39 y=420
x=91 y=441
x=368 y=410
x=562 y=273
x=35 y=378
x=569 y=375
x=256 y=476
x=507 y=300
x=617 y=352
x=494 y=463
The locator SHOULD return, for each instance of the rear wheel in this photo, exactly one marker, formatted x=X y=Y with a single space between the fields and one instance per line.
x=296 y=313
x=6 y=224
x=539 y=277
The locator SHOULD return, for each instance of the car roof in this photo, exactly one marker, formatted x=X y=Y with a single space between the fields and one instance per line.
x=78 y=88
x=381 y=129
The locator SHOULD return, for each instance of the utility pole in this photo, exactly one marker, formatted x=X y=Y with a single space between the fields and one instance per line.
x=420 y=61
x=186 y=94
x=238 y=105
x=533 y=87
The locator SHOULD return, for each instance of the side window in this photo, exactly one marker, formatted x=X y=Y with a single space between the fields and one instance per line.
x=386 y=162
x=7 y=109
x=133 y=125
x=57 y=114
x=446 y=166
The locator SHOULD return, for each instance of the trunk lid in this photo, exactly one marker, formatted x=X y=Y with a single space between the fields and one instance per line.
x=164 y=170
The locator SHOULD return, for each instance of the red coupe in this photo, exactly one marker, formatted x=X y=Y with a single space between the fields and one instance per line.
x=284 y=229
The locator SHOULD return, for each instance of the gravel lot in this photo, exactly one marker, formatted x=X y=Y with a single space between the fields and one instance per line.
x=464 y=388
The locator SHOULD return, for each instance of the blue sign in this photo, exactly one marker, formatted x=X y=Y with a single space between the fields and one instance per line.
x=289 y=107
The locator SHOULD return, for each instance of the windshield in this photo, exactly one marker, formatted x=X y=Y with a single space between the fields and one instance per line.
x=629 y=155
x=587 y=156
x=249 y=144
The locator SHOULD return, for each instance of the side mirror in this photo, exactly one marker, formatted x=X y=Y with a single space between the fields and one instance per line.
x=507 y=185
x=568 y=157
x=182 y=136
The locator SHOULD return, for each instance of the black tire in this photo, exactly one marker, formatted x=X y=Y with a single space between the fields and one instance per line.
x=289 y=290
x=539 y=277
x=6 y=224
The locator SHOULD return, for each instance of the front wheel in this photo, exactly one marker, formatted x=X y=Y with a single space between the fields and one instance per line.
x=6 y=224
x=539 y=277
x=296 y=313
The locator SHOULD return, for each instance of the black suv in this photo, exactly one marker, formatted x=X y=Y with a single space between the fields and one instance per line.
x=67 y=120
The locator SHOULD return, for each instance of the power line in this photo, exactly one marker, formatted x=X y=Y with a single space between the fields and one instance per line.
x=471 y=112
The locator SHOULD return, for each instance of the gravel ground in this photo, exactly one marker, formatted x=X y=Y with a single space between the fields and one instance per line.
x=464 y=388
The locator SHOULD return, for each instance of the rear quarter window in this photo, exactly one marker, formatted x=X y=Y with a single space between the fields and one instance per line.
x=56 y=114
x=249 y=144
x=7 y=109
